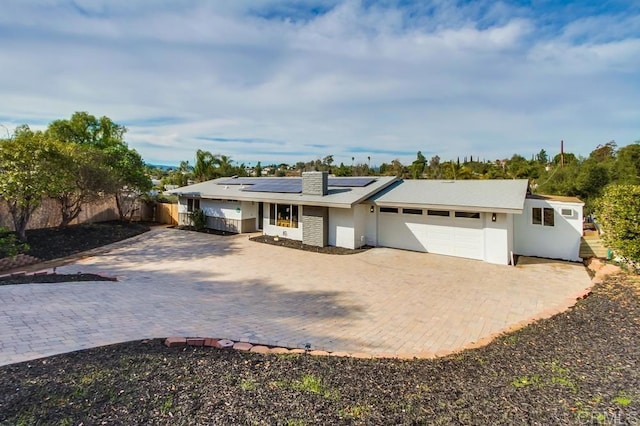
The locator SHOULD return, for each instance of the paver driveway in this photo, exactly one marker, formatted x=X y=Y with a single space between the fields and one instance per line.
x=183 y=283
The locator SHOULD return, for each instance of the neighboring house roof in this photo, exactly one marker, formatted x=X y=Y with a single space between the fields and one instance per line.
x=341 y=195
x=558 y=198
x=500 y=196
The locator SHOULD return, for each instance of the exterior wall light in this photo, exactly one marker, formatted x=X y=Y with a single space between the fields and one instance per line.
x=493 y=217
x=372 y=209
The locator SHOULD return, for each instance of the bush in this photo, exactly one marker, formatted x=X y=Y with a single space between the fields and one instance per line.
x=9 y=244
x=619 y=214
x=199 y=220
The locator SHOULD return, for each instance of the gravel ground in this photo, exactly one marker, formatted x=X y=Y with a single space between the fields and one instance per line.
x=285 y=242
x=54 y=243
x=578 y=367
x=53 y=278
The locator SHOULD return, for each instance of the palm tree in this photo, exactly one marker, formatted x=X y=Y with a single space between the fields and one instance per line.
x=225 y=166
x=204 y=167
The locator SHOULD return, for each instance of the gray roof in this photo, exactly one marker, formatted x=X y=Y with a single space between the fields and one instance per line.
x=501 y=196
x=342 y=197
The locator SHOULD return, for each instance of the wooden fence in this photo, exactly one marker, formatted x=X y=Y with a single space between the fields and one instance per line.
x=166 y=213
x=48 y=214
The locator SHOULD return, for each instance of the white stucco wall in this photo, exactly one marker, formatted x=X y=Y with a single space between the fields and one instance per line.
x=497 y=238
x=182 y=205
x=341 y=228
x=364 y=230
x=273 y=230
x=371 y=226
x=561 y=241
x=249 y=209
x=225 y=209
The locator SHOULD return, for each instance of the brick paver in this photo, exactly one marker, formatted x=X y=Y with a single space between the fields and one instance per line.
x=179 y=283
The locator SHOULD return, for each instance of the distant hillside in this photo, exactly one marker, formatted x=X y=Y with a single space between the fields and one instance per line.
x=161 y=166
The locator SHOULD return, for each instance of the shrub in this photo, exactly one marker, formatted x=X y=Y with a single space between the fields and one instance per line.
x=9 y=244
x=619 y=214
x=198 y=219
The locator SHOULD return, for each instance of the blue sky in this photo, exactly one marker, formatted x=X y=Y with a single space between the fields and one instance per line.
x=285 y=81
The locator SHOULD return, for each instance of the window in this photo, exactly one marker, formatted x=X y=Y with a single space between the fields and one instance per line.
x=543 y=216
x=567 y=212
x=412 y=211
x=536 y=215
x=284 y=215
x=192 y=205
x=468 y=215
x=444 y=213
x=549 y=217
x=388 y=210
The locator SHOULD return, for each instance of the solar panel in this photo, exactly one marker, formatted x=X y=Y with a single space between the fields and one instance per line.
x=290 y=186
x=241 y=181
x=351 y=181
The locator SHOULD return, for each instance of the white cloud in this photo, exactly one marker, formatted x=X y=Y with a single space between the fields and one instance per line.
x=432 y=76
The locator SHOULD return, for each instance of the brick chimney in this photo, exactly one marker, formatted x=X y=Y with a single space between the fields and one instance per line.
x=315 y=183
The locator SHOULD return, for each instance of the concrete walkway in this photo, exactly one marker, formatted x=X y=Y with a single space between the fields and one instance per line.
x=183 y=283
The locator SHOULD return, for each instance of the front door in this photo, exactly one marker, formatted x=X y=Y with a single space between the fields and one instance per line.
x=260 y=214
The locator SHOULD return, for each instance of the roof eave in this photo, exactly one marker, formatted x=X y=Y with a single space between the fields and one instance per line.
x=486 y=209
x=374 y=192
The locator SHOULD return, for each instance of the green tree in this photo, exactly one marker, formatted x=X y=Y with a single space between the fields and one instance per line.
x=434 y=169
x=258 y=169
x=343 y=170
x=328 y=161
x=604 y=152
x=518 y=167
x=224 y=165
x=569 y=158
x=128 y=179
x=619 y=213
x=204 y=168
x=627 y=166
x=418 y=165
x=82 y=176
x=542 y=157
x=26 y=174
x=398 y=169
x=127 y=172
x=560 y=181
x=455 y=170
x=590 y=181
x=85 y=129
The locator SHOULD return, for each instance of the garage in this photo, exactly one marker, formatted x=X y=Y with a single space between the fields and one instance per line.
x=452 y=233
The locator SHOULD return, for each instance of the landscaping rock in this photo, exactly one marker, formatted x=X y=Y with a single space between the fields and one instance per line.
x=225 y=344
x=242 y=346
x=260 y=349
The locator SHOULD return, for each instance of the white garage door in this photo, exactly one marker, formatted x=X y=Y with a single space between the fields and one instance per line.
x=453 y=236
